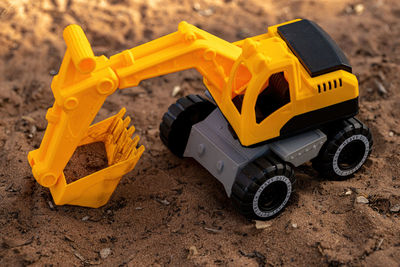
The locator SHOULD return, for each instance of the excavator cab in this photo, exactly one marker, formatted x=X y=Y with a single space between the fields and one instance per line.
x=260 y=91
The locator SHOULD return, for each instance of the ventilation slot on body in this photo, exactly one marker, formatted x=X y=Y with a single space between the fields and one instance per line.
x=329 y=85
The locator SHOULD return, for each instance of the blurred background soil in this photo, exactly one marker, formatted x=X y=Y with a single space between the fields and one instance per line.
x=172 y=211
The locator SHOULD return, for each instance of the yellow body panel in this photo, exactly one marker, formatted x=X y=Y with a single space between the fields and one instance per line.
x=229 y=69
x=267 y=54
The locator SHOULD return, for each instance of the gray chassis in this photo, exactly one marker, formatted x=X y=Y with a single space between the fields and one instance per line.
x=213 y=146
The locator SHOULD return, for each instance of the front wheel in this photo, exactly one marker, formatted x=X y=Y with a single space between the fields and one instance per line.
x=263 y=188
x=348 y=146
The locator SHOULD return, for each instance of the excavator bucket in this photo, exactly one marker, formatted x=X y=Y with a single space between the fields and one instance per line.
x=80 y=88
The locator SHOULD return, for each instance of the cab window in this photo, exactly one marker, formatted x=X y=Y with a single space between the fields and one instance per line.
x=275 y=95
x=240 y=82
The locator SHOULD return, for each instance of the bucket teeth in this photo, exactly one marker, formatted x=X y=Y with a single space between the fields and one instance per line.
x=118 y=116
x=121 y=144
x=127 y=120
x=118 y=130
x=136 y=140
x=131 y=131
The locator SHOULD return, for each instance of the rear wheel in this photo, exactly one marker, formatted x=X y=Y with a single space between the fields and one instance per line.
x=263 y=188
x=179 y=119
x=348 y=146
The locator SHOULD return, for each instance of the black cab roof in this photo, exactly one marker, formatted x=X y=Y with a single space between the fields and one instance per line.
x=315 y=49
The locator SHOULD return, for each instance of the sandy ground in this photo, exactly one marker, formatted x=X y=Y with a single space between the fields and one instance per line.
x=170 y=211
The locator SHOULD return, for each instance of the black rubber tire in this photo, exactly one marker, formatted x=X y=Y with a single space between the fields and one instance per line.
x=179 y=119
x=346 y=150
x=267 y=174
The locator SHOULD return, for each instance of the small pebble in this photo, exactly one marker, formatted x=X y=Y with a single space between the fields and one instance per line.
x=391 y=134
x=348 y=192
x=196 y=6
x=212 y=230
x=192 y=252
x=105 y=252
x=10 y=188
x=379 y=244
x=85 y=218
x=163 y=201
x=381 y=88
x=294 y=225
x=28 y=119
x=359 y=9
x=68 y=238
x=362 y=200
x=51 y=205
x=33 y=129
x=395 y=208
x=262 y=224
x=177 y=89
x=206 y=12
x=79 y=256
x=53 y=72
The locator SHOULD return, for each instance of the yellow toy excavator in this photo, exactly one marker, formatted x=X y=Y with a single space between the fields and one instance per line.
x=273 y=102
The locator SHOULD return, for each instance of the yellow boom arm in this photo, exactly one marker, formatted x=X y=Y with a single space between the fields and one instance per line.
x=81 y=87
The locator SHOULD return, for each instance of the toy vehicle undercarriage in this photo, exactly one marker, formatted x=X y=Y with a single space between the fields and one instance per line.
x=259 y=179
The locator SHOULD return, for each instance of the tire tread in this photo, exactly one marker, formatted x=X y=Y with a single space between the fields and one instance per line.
x=252 y=177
